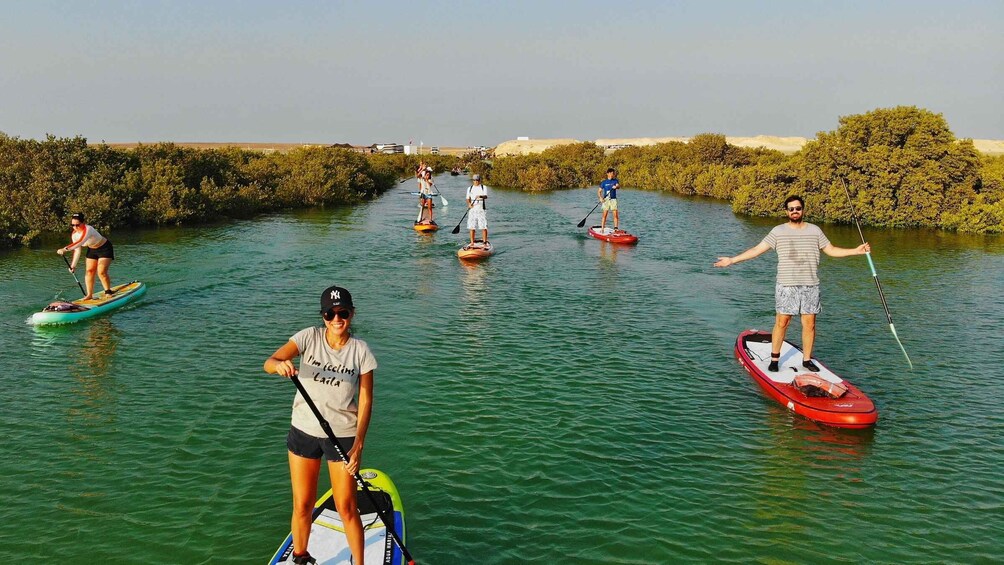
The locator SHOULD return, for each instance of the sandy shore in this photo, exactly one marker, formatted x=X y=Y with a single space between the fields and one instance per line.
x=783 y=144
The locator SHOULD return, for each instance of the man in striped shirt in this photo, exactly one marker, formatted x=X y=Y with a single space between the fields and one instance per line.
x=797 y=244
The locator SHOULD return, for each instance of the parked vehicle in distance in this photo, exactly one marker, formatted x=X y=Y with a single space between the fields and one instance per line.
x=388 y=148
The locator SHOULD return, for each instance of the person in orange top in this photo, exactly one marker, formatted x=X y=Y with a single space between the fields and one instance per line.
x=100 y=254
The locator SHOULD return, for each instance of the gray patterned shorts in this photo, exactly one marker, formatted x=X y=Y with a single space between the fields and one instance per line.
x=793 y=300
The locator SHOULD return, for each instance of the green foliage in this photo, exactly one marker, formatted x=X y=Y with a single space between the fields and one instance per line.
x=706 y=166
x=709 y=148
x=764 y=192
x=992 y=178
x=505 y=170
x=323 y=176
x=404 y=166
x=168 y=200
x=565 y=166
x=479 y=167
x=43 y=182
x=983 y=215
x=538 y=177
x=901 y=166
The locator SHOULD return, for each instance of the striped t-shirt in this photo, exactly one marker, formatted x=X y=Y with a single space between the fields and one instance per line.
x=797 y=253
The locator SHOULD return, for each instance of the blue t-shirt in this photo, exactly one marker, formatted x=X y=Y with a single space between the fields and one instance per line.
x=609 y=188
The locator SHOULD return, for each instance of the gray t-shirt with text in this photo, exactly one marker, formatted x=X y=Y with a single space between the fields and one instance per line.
x=331 y=378
x=797 y=253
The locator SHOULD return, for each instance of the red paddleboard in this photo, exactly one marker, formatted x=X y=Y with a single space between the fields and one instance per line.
x=612 y=235
x=823 y=397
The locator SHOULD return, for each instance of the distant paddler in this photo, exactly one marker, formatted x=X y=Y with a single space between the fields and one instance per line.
x=425 y=204
x=797 y=244
x=421 y=170
x=607 y=194
x=477 y=217
x=100 y=254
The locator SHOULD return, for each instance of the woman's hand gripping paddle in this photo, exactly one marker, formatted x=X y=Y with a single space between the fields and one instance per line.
x=387 y=520
x=69 y=268
x=878 y=285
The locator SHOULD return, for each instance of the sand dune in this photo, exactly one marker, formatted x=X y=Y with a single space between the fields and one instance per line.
x=989 y=146
x=526 y=147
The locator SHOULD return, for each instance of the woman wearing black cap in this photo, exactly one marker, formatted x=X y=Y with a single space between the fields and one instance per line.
x=336 y=369
x=100 y=254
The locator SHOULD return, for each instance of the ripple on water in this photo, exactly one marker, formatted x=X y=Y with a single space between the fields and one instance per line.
x=566 y=401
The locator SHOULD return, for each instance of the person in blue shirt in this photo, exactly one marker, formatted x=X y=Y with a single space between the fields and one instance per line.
x=607 y=194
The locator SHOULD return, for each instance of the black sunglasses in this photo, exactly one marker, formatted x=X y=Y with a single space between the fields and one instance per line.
x=75 y=225
x=795 y=209
x=341 y=313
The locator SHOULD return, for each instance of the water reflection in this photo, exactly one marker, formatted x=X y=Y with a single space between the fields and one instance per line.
x=608 y=252
x=802 y=462
x=425 y=270
x=101 y=340
x=85 y=352
x=474 y=282
x=609 y=273
x=800 y=442
x=94 y=392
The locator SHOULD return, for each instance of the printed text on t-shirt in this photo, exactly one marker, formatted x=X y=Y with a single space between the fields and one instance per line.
x=328 y=368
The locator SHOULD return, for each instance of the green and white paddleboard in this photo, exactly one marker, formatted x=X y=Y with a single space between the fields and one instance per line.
x=69 y=312
x=327 y=542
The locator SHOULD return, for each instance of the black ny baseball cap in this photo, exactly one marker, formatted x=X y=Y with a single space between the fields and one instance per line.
x=335 y=296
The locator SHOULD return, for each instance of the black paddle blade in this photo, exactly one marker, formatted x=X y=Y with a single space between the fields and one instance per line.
x=456 y=229
x=583 y=222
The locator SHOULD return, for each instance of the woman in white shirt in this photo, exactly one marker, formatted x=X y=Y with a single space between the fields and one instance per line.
x=425 y=197
x=100 y=254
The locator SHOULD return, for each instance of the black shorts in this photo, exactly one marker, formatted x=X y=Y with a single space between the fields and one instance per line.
x=311 y=447
x=106 y=251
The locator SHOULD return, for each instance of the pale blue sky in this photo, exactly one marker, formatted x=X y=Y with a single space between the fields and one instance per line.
x=467 y=73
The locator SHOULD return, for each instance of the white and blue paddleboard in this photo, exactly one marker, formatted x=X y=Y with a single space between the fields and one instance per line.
x=327 y=543
x=77 y=310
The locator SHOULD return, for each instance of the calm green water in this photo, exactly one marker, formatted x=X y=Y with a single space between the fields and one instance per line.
x=569 y=401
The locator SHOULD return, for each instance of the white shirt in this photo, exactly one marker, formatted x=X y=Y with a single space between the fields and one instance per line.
x=474 y=191
x=87 y=237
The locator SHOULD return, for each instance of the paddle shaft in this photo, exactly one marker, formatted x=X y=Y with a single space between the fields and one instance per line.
x=387 y=520
x=875 y=277
x=457 y=229
x=583 y=222
x=440 y=193
x=74 y=275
